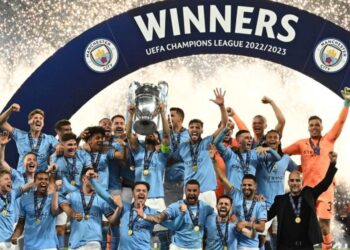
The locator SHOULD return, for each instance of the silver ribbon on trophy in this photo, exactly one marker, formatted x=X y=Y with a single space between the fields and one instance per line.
x=146 y=98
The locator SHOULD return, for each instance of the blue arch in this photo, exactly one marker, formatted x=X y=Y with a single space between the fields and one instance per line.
x=65 y=79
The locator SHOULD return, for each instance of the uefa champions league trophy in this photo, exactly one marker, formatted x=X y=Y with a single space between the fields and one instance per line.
x=146 y=99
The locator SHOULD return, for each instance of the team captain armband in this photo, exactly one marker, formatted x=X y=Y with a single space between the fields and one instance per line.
x=164 y=148
x=347 y=103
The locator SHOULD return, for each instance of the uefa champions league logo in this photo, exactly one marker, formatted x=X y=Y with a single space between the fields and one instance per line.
x=101 y=55
x=331 y=55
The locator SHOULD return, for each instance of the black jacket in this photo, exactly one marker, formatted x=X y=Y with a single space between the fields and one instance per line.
x=309 y=196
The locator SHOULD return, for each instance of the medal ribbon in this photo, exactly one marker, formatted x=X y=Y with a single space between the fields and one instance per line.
x=38 y=209
x=34 y=148
x=132 y=158
x=131 y=219
x=25 y=178
x=244 y=164
x=95 y=160
x=248 y=214
x=194 y=150
x=147 y=159
x=175 y=141
x=6 y=201
x=316 y=149
x=221 y=235
x=259 y=143
x=295 y=209
x=71 y=168
x=194 y=219
x=87 y=207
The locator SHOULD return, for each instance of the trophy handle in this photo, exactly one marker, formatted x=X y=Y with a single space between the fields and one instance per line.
x=163 y=97
x=131 y=96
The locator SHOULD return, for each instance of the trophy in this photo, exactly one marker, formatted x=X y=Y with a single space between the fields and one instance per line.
x=146 y=99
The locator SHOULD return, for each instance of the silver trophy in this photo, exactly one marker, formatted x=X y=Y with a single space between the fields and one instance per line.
x=146 y=98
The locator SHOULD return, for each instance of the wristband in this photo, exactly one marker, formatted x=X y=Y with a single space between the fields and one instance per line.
x=164 y=148
x=347 y=103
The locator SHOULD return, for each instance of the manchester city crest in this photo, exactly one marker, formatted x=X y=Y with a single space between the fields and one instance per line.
x=101 y=55
x=331 y=55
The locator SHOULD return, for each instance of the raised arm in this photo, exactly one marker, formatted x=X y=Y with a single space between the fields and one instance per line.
x=219 y=139
x=132 y=139
x=293 y=149
x=281 y=121
x=115 y=217
x=4 y=139
x=240 y=124
x=6 y=115
x=55 y=209
x=52 y=181
x=166 y=130
x=69 y=187
x=227 y=185
x=335 y=131
x=220 y=101
x=121 y=154
x=102 y=192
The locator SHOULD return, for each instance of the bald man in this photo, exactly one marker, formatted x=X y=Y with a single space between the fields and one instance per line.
x=298 y=227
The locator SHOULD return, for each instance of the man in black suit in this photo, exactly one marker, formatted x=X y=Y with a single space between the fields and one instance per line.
x=298 y=227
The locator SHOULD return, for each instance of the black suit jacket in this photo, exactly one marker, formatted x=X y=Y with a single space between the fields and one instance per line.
x=309 y=196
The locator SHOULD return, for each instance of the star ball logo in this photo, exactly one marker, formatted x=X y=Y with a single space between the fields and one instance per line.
x=331 y=55
x=101 y=55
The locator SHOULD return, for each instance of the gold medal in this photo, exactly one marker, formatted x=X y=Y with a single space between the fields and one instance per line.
x=37 y=221
x=4 y=213
x=130 y=232
x=86 y=217
x=132 y=168
x=72 y=182
x=146 y=172
x=196 y=229
x=194 y=168
x=297 y=220
x=225 y=248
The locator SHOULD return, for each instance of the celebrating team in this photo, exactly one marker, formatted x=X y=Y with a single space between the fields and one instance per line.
x=165 y=184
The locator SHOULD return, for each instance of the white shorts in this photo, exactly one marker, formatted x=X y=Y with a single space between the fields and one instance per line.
x=114 y=192
x=156 y=204
x=208 y=197
x=173 y=247
x=268 y=224
x=61 y=219
x=104 y=219
x=7 y=246
x=91 y=245
x=126 y=194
